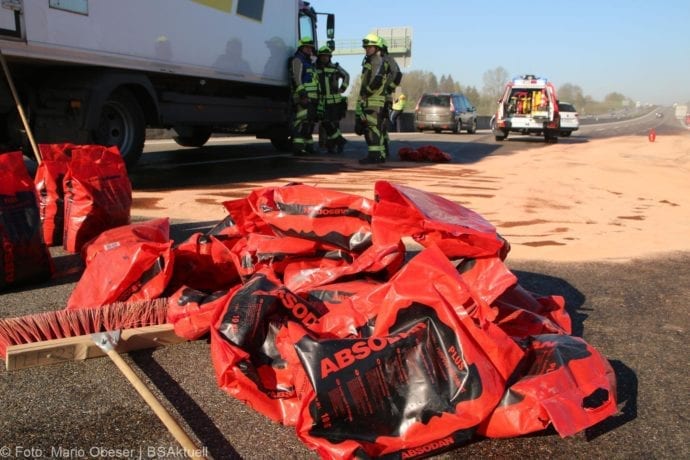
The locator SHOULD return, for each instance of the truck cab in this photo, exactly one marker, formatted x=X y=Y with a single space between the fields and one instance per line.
x=528 y=105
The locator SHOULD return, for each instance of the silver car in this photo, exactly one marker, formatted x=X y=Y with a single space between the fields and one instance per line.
x=570 y=119
x=445 y=111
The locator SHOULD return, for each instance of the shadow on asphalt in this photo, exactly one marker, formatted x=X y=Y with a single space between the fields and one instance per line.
x=195 y=416
x=215 y=165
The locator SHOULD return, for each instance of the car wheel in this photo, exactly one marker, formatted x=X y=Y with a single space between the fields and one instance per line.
x=473 y=127
x=457 y=127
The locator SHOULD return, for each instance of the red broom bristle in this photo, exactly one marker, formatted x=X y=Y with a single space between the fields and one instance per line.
x=72 y=323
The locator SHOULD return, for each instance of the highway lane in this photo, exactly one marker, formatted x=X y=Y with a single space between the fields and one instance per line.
x=229 y=160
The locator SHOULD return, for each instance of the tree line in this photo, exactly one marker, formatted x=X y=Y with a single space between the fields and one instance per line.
x=418 y=82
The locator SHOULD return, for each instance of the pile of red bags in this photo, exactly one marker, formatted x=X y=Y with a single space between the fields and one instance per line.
x=321 y=318
x=425 y=153
x=83 y=190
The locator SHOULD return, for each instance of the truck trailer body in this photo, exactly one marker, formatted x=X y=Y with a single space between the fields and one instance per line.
x=91 y=71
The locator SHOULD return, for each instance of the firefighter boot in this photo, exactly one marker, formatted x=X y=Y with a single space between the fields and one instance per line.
x=372 y=158
x=340 y=144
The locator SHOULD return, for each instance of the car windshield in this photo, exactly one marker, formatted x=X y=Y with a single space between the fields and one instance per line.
x=439 y=101
x=565 y=107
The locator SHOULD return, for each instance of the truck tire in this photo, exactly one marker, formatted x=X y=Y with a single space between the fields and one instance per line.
x=195 y=136
x=282 y=144
x=122 y=123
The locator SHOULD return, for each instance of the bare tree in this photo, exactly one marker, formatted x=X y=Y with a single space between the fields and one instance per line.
x=494 y=82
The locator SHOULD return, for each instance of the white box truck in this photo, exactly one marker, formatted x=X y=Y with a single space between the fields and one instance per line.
x=102 y=71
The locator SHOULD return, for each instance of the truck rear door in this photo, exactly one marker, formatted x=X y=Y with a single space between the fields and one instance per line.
x=10 y=19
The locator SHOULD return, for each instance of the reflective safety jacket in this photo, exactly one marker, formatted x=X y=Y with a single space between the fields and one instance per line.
x=393 y=73
x=374 y=76
x=303 y=78
x=399 y=104
x=333 y=81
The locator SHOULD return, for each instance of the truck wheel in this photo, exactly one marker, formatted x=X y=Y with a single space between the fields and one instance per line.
x=282 y=144
x=122 y=123
x=193 y=136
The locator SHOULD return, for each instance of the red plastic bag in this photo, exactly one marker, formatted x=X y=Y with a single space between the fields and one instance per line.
x=125 y=264
x=429 y=218
x=192 y=312
x=421 y=379
x=428 y=153
x=98 y=194
x=24 y=257
x=205 y=263
x=566 y=383
x=376 y=261
x=327 y=216
x=243 y=346
x=49 y=185
x=522 y=313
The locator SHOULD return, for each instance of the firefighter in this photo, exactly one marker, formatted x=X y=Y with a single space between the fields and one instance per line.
x=398 y=107
x=304 y=85
x=371 y=117
x=393 y=79
x=333 y=81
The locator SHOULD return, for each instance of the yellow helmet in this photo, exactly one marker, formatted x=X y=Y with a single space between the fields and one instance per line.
x=371 y=40
x=402 y=96
x=305 y=41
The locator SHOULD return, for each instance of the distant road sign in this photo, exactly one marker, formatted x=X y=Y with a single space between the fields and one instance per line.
x=398 y=40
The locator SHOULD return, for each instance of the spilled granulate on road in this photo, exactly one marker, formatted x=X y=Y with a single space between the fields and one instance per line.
x=146 y=203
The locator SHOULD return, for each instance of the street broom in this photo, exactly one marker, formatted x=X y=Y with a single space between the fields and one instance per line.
x=66 y=335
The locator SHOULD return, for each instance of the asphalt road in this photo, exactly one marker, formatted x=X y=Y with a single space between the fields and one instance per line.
x=634 y=313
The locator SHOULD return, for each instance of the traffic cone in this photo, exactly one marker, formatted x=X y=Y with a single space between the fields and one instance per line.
x=652 y=135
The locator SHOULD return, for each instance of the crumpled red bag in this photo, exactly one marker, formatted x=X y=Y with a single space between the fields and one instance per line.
x=429 y=218
x=317 y=214
x=243 y=350
x=128 y=263
x=49 y=186
x=566 y=383
x=24 y=256
x=98 y=194
x=421 y=379
x=428 y=153
x=191 y=312
x=205 y=263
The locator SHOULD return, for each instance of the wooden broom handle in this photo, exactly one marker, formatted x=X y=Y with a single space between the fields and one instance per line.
x=20 y=109
x=191 y=450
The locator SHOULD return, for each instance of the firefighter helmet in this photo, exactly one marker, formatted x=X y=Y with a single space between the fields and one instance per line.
x=371 y=40
x=305 y=41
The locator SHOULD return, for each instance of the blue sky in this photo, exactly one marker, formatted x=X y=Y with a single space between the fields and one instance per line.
x=638 y=48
